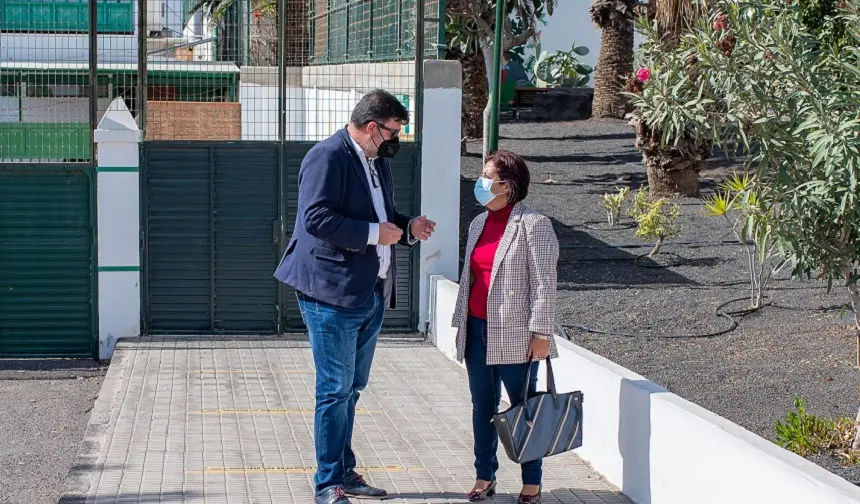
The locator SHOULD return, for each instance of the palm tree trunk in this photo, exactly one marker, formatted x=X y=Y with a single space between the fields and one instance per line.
x=614 y=65
x=672 y=170
x=679 y=179
x=474 y=91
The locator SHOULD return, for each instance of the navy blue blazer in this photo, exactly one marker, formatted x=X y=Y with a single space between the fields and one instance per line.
x=328 y=257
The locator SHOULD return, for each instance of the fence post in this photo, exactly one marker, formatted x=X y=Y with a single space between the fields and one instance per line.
x=118 y=185
x=440 y=174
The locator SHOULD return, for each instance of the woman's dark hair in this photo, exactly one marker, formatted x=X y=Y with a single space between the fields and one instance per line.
x=512 y=170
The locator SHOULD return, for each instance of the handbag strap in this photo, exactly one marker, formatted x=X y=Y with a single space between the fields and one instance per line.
x=550 y=380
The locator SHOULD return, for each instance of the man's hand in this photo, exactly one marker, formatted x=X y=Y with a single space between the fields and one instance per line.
x=389 y=234
x=422 y=227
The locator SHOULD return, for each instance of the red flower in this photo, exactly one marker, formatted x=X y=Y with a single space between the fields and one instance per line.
x=727 y=45
x=257 y=14
x=643 y=74
x=721 y=23
x=633 y=85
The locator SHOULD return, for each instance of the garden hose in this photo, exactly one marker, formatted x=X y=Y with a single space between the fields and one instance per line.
x=729 y=316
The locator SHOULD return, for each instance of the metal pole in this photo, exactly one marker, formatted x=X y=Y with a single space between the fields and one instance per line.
x=141 y=66
x=441 y=41
x=282 y=69
x=419 y=68
x=495 y=89
x=93 y=77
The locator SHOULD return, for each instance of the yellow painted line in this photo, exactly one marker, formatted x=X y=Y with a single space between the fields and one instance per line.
x=237 y=371
x=288 y=411
x=297 y=469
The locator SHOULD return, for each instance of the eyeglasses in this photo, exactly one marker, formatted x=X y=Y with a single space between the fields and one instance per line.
x=394 y=132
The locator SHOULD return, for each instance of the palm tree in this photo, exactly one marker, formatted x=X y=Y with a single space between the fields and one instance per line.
x=229 y=18
x=673 y=170
x=615 y=61
x=472 y=26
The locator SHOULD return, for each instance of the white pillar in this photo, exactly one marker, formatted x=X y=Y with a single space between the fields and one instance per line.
x=118 y=187
x=440 y=175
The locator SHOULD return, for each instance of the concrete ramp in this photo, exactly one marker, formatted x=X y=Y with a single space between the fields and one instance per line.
x=230 y=420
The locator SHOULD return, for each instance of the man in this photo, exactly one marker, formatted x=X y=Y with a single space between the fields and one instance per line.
x=340 y=259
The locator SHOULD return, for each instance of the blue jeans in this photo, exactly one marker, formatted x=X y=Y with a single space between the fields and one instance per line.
x=485 y=383
x=343 y=341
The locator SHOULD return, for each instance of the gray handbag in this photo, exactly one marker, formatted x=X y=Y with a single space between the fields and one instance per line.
x=546 y=424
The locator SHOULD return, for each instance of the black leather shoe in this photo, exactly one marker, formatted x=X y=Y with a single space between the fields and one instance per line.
x=355 y=486
x=331 y=496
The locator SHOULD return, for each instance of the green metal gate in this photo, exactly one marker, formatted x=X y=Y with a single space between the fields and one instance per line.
x=210 y=212
x=47 y=261
x=404 y=171
x=212 y=219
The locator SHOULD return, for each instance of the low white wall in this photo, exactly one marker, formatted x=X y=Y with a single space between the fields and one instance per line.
x=659 y=448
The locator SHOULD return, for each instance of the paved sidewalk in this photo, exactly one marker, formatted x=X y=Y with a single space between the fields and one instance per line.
x=231 y=421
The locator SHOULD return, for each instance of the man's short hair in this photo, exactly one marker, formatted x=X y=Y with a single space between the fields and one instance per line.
x=378 y=106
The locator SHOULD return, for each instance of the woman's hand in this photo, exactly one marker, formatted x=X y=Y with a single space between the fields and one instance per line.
x=539 y=348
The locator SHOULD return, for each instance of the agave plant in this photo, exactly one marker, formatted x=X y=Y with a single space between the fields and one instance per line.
x=751 y=218
x=612 y=203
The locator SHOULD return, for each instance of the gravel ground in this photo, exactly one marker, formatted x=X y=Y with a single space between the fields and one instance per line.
x=46 y=407
x=799 y=345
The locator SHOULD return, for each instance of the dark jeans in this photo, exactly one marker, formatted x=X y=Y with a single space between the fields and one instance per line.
x=343 y=341
x=485 y=383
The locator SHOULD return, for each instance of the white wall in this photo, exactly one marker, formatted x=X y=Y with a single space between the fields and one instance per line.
x=327 y=110
x=661 y=449
x=66 y=48
x=316 y=104
x=70 y=48
x=440 y=176
x=9 y=109
x=60 y=110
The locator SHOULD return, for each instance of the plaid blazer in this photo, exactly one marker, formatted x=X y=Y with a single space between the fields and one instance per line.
x=522 y=287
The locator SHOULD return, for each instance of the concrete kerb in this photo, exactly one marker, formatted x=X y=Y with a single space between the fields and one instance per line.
x=82 y=476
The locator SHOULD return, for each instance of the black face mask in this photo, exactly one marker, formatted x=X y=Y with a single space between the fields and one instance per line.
x=388 y=148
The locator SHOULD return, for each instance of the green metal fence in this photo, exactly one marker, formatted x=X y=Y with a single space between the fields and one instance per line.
x=58 y=16
x=267 y=75
x=344 y=31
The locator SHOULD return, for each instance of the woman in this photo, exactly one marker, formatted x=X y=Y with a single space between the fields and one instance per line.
x=505 y=310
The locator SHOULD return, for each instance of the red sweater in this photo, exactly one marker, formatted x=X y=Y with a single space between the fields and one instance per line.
x=481 y=262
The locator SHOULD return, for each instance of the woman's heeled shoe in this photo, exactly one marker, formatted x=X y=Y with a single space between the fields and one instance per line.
x=479 y=495
x=529 y=499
